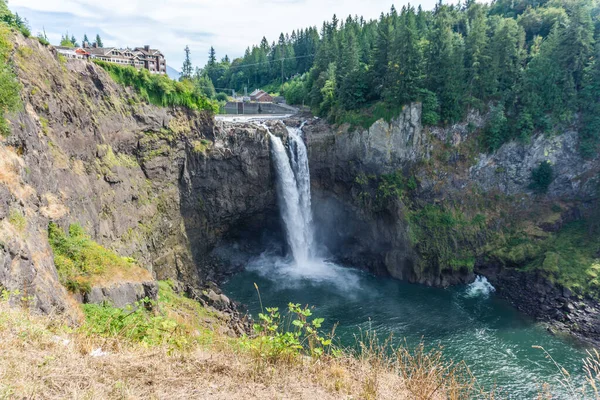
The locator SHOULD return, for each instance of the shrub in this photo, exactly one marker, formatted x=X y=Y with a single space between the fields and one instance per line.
x=222 y=97
x=295 y=91
x=542 y=177
x=43 y=39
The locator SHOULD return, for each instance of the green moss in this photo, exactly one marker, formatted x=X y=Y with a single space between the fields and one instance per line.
x=571 y=258
x=162 y=151
x=44 y=124
x=445 y=238
x=111 y=160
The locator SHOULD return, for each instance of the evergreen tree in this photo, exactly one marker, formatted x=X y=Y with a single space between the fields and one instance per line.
x=405 y=72
x=212 y=57
x=380 y=57
x=99 y=41
x=445 y=66
x=85 y=39
x=476 y=57
x=187 y=68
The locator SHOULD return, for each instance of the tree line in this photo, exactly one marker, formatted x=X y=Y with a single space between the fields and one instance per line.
x=71 y=41
x=532 y=64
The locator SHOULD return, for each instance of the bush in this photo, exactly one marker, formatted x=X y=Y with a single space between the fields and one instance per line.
x=221 y=97
x=173 y=321
x=160 y=90
x=542 y=177
x=43 y=39
x=295 y=91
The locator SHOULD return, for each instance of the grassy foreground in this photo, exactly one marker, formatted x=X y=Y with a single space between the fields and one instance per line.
x=182 y=350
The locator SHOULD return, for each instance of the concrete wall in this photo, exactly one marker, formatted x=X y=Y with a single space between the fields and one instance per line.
x=257 y=108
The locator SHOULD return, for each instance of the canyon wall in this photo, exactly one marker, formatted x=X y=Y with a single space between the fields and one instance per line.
x=163 y=186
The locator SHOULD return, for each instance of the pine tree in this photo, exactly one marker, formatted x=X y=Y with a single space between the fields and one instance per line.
x=405 y=72
x=380 y=57
x=74 y=41
x=85 y=39
x=99 y=41
x=477 y=58
x=445 y=66
x=186 y=69
x=212 y=57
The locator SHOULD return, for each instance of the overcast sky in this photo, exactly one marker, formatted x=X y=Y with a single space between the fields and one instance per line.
x=169 y=25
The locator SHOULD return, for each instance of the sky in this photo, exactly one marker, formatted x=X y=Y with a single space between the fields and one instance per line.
x=230 y=26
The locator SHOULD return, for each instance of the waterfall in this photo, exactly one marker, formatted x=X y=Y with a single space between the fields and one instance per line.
x=293 y=190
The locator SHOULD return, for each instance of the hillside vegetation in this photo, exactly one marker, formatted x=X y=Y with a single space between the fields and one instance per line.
x=160 y=90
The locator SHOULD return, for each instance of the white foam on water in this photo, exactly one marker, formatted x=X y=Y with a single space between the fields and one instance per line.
x=480 y=288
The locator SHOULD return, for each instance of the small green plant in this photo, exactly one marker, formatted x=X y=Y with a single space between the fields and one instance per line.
x=134 y=324
x=44 y=125
x=43 y=39
x=160 y=90
x=18 y=220
x=201 y=146
x=285 y=338
x=542 y=177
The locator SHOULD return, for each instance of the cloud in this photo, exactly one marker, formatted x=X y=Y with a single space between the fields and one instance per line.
x=170 y=25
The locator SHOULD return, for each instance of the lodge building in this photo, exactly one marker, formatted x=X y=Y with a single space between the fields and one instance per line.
x=140 y=57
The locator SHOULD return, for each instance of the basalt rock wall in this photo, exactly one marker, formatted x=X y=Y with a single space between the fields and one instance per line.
x=164 y=186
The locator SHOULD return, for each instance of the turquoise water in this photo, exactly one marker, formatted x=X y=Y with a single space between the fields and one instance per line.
x=470 y=323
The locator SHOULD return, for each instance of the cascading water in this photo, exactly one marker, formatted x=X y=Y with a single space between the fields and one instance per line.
x=293 y=188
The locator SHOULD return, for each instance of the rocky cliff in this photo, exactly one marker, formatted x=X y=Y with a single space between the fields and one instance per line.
x=422 y=204
x=163 y=186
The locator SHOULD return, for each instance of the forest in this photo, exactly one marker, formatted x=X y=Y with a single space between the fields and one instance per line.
x=531 y=64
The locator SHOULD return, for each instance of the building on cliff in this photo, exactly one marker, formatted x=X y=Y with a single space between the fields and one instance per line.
x=140 y=57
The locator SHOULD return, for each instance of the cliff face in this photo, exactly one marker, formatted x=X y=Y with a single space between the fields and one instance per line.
x=160 y=185
x=426 y=168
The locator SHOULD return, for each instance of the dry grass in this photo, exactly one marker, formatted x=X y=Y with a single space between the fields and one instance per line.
x=41 y=357
x=54 y=209
x=10 y=166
